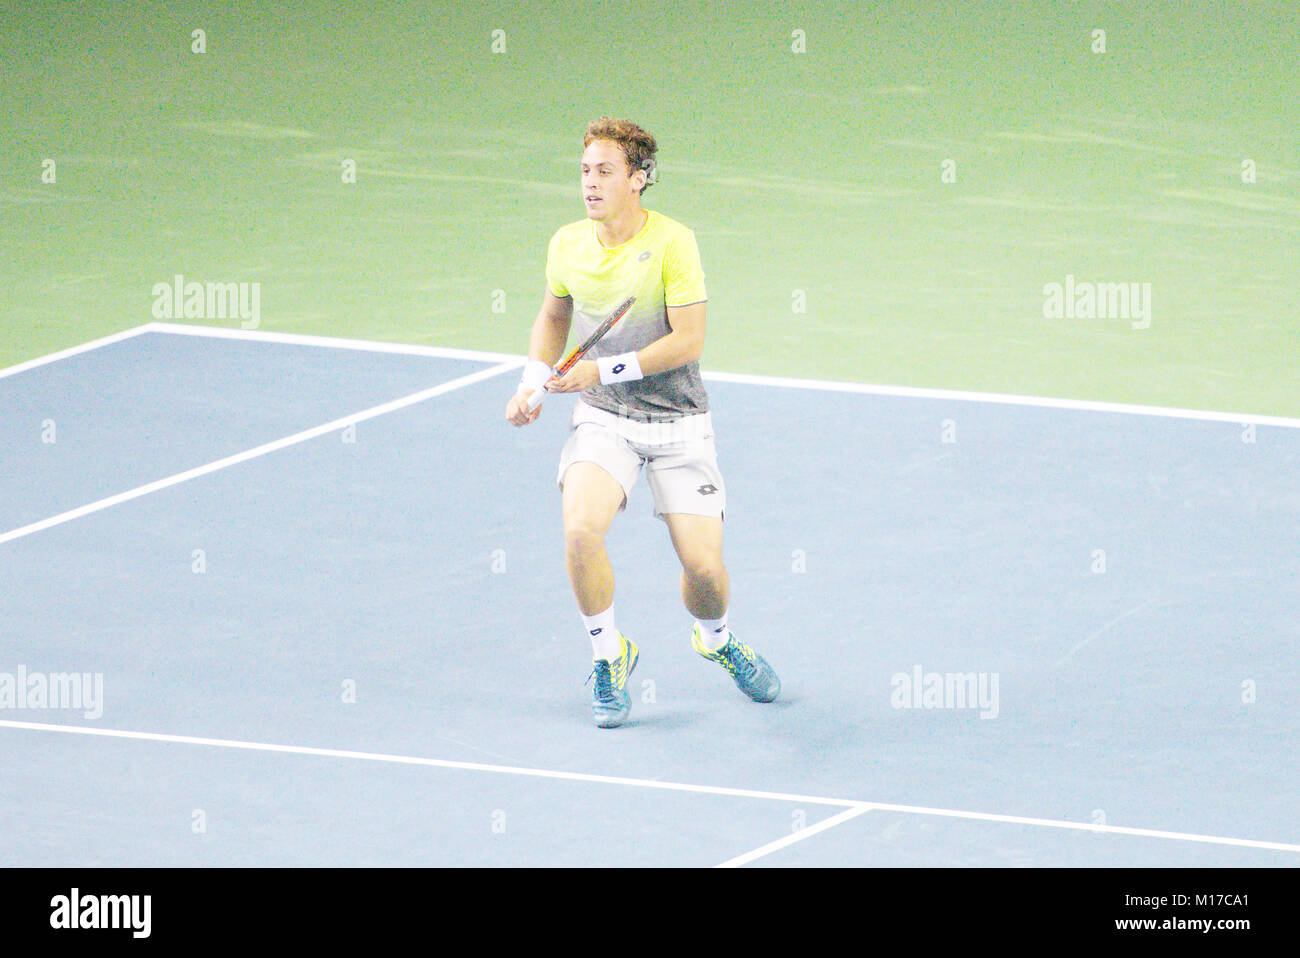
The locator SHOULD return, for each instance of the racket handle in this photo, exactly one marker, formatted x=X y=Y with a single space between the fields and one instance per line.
x=536 y=398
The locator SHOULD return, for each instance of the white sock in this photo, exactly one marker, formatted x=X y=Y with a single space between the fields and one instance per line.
x=713 y=632
x=604 y=637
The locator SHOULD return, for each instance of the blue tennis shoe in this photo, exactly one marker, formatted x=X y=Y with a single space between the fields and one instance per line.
x=610 y=703
x=753 y=675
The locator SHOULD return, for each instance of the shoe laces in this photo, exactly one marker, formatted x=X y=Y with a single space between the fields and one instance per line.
x=737 y=656
x=603 y=671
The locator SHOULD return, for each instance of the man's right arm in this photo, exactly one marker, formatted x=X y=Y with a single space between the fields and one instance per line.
x=545 y=344
x=551 y=328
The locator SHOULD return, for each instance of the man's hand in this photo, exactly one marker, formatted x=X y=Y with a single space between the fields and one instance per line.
x=584 y=374
x=517 y=413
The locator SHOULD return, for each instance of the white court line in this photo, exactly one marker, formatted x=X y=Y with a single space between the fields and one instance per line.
x=75 y=350
x=261 y=450
x=645 y=783
x=1086 y=827
x=915 y=392
x=334 y=342
x=793 y=837
x=418 y=760
x=447 y=352
x=1088 y=405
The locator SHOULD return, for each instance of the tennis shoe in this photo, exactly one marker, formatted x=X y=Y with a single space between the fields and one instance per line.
x=753 y=675
x=610 y=703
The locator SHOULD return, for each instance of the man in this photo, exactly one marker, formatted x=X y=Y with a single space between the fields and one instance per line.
x=642 y=405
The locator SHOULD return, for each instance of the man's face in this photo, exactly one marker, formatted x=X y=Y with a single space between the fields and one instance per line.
x=608 y=186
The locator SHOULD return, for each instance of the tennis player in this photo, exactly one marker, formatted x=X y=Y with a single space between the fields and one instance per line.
x=642 y=404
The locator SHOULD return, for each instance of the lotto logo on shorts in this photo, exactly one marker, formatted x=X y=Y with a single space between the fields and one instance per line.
x=707 y=489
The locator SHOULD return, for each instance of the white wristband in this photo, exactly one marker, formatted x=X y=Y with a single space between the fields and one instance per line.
x=619 y=369
x=536 y=373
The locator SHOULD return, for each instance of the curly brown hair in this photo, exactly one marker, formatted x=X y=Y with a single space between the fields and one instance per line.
x=638 y=146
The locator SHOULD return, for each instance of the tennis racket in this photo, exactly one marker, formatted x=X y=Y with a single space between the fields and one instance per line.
x=535 y=399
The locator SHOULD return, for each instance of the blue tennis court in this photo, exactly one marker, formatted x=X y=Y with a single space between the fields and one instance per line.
x=322 y=587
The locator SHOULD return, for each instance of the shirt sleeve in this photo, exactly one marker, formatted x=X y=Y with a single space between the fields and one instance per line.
x=553 y=281
x=683 y=274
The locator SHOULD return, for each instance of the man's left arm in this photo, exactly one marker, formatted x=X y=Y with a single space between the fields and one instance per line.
x=683 y=283
x=682 y=345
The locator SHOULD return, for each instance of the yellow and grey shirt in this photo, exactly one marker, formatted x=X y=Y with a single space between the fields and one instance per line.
x=660 y=265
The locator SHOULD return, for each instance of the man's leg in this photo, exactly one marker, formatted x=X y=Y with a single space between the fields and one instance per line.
x=706 y=588
x=706 y=591
x=592 y=497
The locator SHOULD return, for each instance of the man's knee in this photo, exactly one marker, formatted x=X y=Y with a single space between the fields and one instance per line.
x=703 y=567
x=592 y=497
x=583 y=539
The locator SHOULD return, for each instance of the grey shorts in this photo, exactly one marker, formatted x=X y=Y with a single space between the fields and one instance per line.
x=679 y=458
